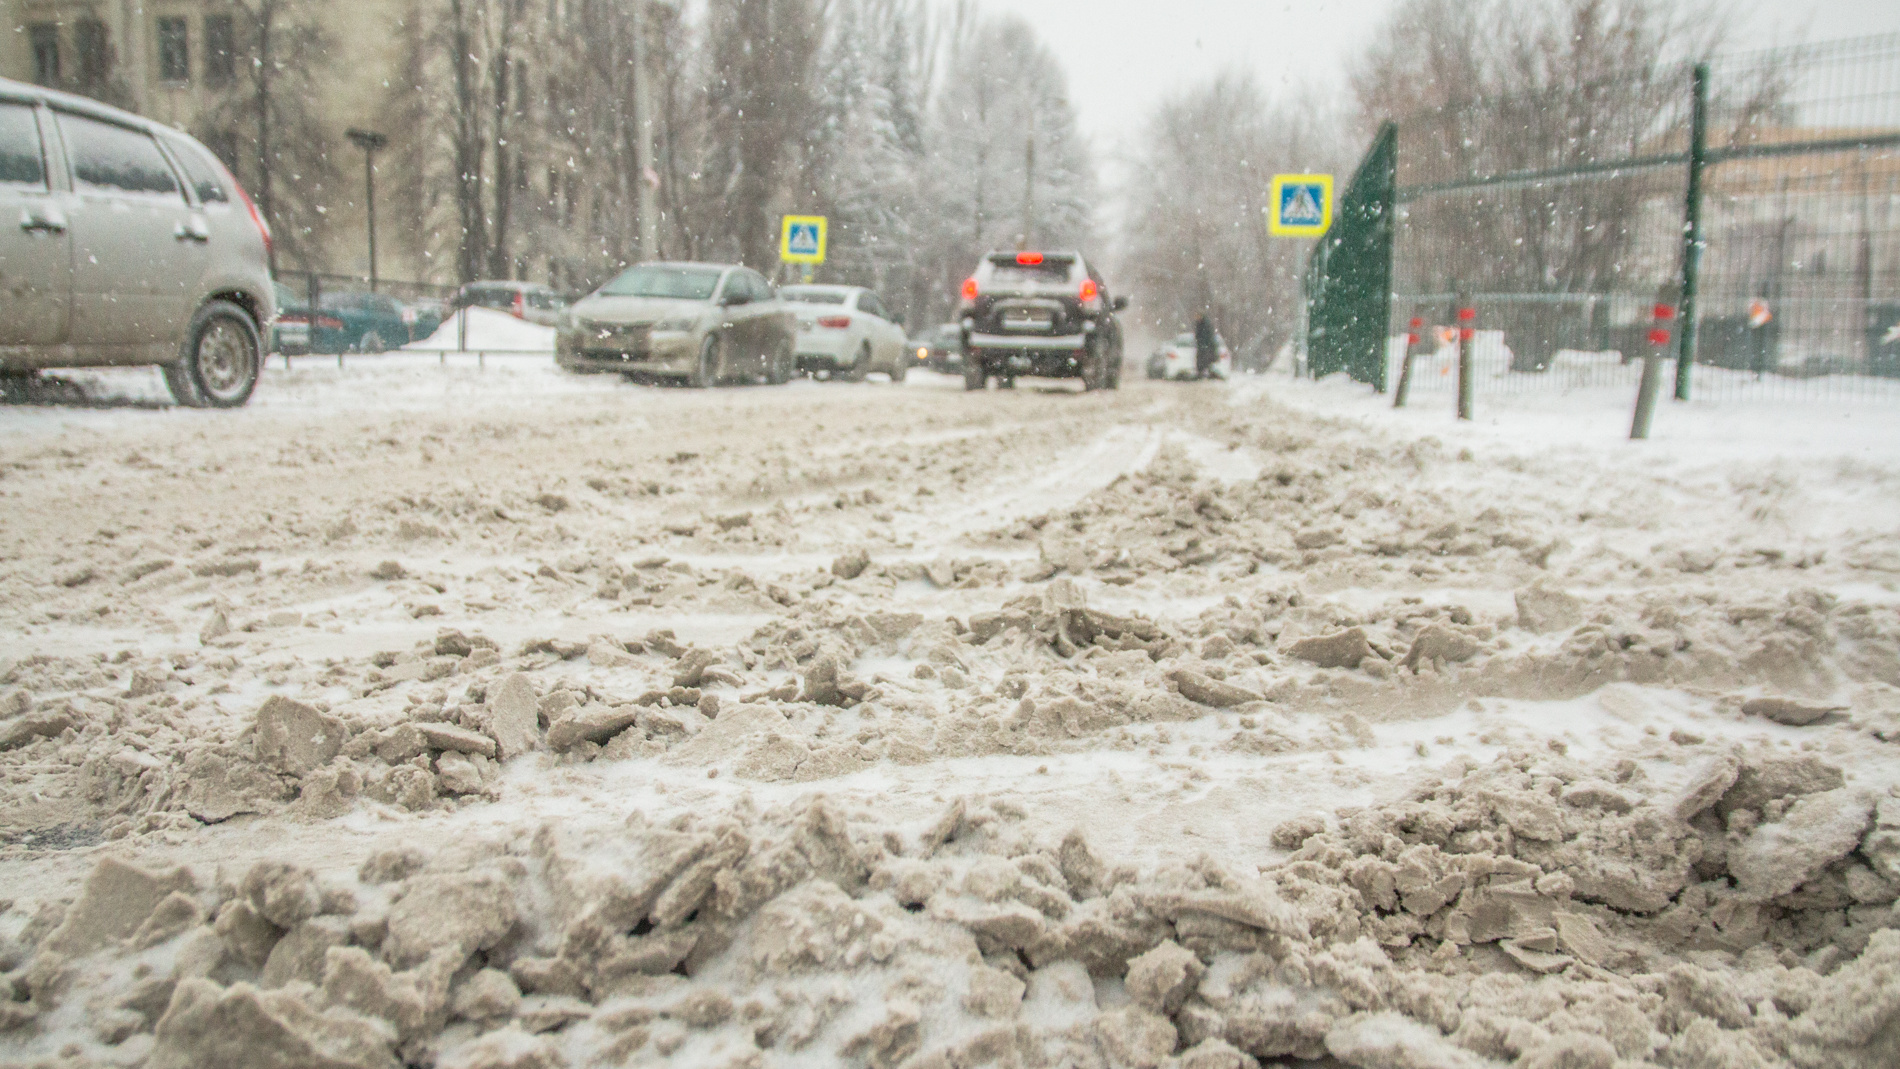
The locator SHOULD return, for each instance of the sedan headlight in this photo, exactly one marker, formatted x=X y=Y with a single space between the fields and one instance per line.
x=677 y=323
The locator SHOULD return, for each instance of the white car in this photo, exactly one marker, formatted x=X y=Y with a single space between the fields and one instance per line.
x=844 y=330
x=1177 y=359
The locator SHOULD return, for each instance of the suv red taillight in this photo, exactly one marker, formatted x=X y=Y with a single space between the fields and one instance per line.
x=1091 y=294
x=969 y=289
x=1029 y=259
x=520 y=306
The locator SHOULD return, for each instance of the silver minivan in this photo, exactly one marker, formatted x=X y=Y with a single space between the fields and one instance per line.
x=124 y=242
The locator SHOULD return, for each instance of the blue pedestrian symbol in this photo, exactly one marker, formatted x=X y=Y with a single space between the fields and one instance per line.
x=804 y=239
x=1299 y=205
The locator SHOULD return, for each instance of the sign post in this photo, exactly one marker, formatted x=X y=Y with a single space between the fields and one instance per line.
x=1300 y=205
x=802 y=241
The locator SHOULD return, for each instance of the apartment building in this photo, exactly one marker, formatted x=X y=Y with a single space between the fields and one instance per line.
x=186 y=63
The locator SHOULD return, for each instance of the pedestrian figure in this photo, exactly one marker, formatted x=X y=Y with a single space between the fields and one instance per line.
x=1206 y=347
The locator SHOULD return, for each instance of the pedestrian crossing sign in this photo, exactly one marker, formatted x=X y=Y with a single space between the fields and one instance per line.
x=802 y=239
x=1300 y=205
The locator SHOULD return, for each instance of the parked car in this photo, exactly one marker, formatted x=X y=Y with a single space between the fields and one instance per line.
x=126 y=243
x=523 y=300
x=941 y=349
x=1039 y=313
x=845 y=331
x=1178 y=359
x=699 y=323
x=290 y=334
x=370 y=322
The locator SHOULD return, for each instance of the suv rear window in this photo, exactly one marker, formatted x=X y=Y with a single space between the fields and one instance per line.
x=1042 y=274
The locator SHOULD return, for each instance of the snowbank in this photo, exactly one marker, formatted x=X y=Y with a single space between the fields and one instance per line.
x=488 y=330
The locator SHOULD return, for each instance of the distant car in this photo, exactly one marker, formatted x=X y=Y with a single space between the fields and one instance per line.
x=941 y=349
x=845 y=331
x=430 y=313
x=124 y=243
x=1178 y=359
x=290 y=334
x=1039 y=313
x=369 y=322
x=523 y=300
x=699 y=323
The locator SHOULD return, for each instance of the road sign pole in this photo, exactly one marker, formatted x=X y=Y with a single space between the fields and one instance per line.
x=1692 y=227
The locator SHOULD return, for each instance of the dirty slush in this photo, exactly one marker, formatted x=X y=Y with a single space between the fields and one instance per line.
x=894 y=727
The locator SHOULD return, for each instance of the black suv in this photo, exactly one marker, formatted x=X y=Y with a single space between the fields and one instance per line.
x=1039 y=313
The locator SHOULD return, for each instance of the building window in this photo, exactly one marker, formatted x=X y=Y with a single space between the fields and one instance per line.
x=45 y=37
x=95 y=52
x=174 y=50
x=220 y=50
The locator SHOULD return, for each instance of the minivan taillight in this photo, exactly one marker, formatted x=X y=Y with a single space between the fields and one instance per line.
x=834 y=322
x=257 y=217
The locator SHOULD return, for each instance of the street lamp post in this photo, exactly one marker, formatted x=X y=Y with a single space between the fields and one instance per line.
x=369 y=141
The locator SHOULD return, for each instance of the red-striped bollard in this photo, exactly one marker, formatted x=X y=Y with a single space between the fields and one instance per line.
x=1651 y=383
x=1467 y=332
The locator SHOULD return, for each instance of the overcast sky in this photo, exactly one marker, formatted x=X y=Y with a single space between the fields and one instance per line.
x=1122 y=56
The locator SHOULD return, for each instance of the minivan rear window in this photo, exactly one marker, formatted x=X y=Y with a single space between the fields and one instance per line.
x=20 y=161
x=203 y=175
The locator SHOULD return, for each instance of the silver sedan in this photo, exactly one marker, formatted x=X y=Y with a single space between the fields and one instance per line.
x=702 y=324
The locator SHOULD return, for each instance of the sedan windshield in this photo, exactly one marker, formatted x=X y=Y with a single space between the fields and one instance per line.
x=681 y=283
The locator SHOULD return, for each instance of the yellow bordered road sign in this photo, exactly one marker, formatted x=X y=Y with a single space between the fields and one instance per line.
x=1300 y=205
x=801 y=239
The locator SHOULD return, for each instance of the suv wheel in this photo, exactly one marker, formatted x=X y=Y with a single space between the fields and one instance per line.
x=219 y=365
x=706 y=369
x=1094 y=368
x=973 y=370
x=899 y=367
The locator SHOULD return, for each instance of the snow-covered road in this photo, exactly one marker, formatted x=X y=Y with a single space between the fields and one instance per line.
x=834 y=724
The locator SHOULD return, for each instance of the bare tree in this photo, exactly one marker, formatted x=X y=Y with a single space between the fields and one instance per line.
x=266 y=121
x=1195 y=240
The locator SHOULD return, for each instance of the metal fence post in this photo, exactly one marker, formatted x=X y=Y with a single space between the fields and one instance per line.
x=1404 y=389
x=1467 y=334
x=1692 y=226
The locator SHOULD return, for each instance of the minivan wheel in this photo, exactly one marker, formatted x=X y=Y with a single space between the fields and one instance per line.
x=973 y=371
x=219 y=365
x=706 y=368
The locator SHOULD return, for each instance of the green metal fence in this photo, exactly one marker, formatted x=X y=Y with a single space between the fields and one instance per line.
x=1349 y=273
x=1757 y=193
